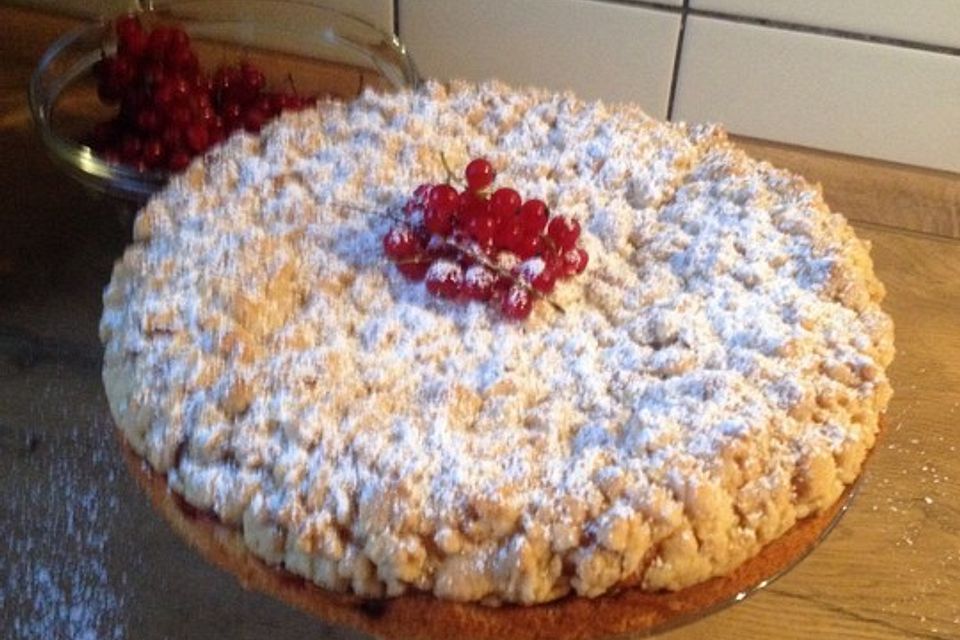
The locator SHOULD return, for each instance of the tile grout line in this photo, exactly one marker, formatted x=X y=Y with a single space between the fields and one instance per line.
x=642 y=4
x=784 y=25
x=675 y=78
x=823 y=31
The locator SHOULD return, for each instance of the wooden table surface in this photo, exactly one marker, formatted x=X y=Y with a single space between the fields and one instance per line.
x=84 y=557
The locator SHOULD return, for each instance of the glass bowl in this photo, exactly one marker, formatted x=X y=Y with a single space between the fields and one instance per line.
x=314 y=49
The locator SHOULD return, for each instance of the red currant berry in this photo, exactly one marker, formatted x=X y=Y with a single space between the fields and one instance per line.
x=508 y=234
x=153 y=153
x=197 y=137
x=204 y=84
x=444 y=197
x=504 y=202
x=482 y=228
x=124 y=70
x=416 y=269
x=445 y=279
x=479 y=174
x=134 y=100
x=252 y=79
x=472 y=205
x=179 y=87
x=179 y=38
x=178 y=161
x=127 y=24
x=135 y=45
x=266 y=105
x=226 y=78
x=180 y=115
x=293 y=103
x=172 y=137
x=158 y=42
x=539 y=273
x=438 y=220
x=572 y=262
x=278 y=101
x=163 y=97
x=533 y=216
x=516 y=304
x=269 y=103
x=131 y=38
x=564 y=232
x=253 y=120
x=148 y=120
x=544 y=281
x=582 y=258
x=216 y=131
x=130 y=148
x=401 y=243
x=478 y=283
x=422 y=194
x=232 y=115
x=189 y=65
x=199 y=100
x=154 y=73
x=205 y=115
x=528 y=246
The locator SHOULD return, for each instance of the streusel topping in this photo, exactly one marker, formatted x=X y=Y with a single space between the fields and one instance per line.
x=718 y=372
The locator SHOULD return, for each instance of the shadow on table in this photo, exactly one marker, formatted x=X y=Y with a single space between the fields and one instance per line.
x=57 y=245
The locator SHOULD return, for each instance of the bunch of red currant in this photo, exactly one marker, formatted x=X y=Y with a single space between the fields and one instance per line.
x=170 y=110
x=483 y=244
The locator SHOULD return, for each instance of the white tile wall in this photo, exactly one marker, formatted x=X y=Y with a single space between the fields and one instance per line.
x=598 y=49
x=929 y=21
x=843 y=95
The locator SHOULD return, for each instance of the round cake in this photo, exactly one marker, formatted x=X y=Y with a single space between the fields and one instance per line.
x=715 y=375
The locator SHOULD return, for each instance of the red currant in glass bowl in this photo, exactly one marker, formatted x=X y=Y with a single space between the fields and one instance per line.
x=123 y=103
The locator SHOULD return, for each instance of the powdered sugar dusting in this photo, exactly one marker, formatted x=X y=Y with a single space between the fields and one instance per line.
x=57 y=583
x=718 y=371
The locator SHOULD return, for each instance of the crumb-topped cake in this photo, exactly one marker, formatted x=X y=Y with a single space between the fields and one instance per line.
x=715 y=374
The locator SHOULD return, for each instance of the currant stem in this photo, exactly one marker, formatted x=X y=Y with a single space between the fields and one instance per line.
x=482 y=259
x=293 y=85
x=451 y=176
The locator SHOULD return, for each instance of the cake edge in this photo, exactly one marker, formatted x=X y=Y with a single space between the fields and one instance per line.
x=422 y=616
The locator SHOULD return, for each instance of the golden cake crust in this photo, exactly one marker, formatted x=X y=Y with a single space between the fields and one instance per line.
x=425 y=617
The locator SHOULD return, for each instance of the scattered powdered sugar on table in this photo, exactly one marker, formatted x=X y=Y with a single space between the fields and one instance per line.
x=718 y=372
x=57 y=583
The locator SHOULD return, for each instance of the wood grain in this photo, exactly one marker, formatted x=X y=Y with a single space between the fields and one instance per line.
x=873 y=191
x=891 y=569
